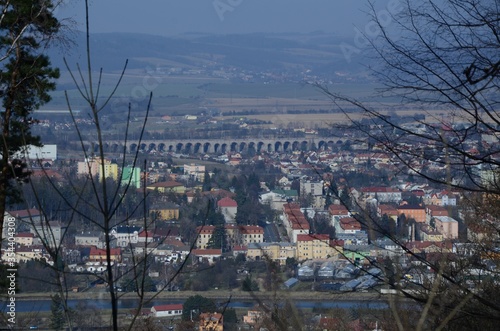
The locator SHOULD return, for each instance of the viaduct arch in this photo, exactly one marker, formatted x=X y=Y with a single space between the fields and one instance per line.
x=218 y=146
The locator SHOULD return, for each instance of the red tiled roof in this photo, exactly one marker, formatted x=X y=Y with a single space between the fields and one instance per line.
x=165 y=184
x=338 y=210
x=240 y=248
x=205 y=229
x=349 y=223
x=178 y=306
x=23 y=213
x=25 y=235
x=246 y=229
x=102 y=252
x=311 y=237
x=227 y=202
x=145 y=234
x=201 y=252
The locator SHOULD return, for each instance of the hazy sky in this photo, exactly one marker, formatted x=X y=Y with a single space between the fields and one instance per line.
x=171 y=17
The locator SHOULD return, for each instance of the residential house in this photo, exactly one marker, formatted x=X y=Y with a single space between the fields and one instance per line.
x=433 y=211
x=208 y=255
x=172 y=310
x=48 y=233
x=277 y=198
x=125 y=235
x=88 y=167
x=95 y=167
x=294 y=221
x=143 y=248
x=315 y=189
x=24 y=238
x=381 y=194
x=171 y=249
x=314 y=246
x=284 y=182
x=336 y=212
x=251 y=234
x=237 y=250
x=169 y=186
x=416 y=212
x=448 y=199
x=27 y=253
x=357 y=238
x=442 y=198
x=196 y=172
x=145 y=237
x=347 y=225
x=228 y=207
x=428 y=233
x=99 y=255
x=389 y=210
x=388 y=248
x=91 y=238
x=447 y=226
x=277 y=252
x=110 y=170
x=235 y=159
x=165 y=211
x=211 y=322
x=253 y=316
x=204 y=234
x=417 y=247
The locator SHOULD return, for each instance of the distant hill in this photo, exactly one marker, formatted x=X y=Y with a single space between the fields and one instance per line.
x=318 y=52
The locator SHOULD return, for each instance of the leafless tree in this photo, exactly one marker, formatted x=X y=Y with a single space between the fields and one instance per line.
x=440 y=58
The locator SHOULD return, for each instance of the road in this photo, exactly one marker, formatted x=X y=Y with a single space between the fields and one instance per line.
x=271 y=233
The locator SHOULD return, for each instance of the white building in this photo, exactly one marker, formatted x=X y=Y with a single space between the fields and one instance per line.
x=195 y=172
x=228 y=207
x=125 y=235
x=173 y=310
x=46 y=152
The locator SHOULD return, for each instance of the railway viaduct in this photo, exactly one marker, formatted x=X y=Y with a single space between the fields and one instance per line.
x=219 y=146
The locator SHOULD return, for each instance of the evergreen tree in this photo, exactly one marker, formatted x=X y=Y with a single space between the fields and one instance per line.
x=249 y=285
x=195 y=305
x=207 y=182
x=26 y=78
x=57 y=310
x=218 y=239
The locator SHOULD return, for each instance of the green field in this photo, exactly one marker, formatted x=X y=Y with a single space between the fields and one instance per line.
x=187 y=93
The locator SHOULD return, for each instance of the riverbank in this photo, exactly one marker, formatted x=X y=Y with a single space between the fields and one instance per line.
x=220 y=295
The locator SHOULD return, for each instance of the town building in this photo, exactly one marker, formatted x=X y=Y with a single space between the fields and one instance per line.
x=99 y=255
x=314 y=246
x=169 y=186
x=447 y=226
x=125 y=235
x=91 y=238
x=228 y=207
x=416 y=212
x=24 y=238
x=294 y=221
x=172 y=310
x=131 y=176
x=277 y=251
x=211 y=322
x=195 y=172
x=165 y=211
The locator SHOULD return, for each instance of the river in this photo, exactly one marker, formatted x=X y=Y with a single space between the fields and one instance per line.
x=23 y=306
